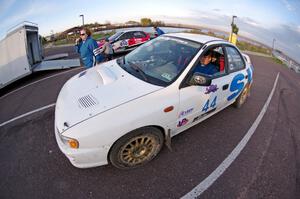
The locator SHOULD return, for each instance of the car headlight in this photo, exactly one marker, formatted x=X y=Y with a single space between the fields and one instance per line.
x=71 y=142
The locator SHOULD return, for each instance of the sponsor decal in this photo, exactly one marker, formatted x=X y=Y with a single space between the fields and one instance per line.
x=208 y=112
x=182 y=122
x=236 y=86
x=211 y=89
x=123 y=43
x=204 y=114
x=196 y=118
x=167 y=76
x=183 y=113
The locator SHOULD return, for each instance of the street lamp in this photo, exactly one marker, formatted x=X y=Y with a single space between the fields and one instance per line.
x=82 y=19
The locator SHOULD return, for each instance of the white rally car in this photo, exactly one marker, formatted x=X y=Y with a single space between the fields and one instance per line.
x=123 y=111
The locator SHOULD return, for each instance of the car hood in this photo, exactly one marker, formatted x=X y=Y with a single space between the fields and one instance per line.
x=95 y=91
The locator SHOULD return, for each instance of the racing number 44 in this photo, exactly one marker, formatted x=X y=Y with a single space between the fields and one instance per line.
x=208 y=105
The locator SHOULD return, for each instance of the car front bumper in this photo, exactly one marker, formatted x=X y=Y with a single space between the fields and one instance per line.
x=83 y=158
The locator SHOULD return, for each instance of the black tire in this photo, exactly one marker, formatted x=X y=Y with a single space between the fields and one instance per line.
x=242 y=98
x=136 y=148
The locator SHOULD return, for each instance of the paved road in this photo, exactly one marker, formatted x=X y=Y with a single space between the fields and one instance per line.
x=31 y=165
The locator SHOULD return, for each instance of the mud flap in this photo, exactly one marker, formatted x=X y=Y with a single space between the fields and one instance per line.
x=168 y=140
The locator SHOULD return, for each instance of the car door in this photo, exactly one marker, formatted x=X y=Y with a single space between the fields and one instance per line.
x=122 y=42
x=199 y=102
x=237 y=73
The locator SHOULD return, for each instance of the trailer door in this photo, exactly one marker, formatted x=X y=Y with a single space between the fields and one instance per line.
x=13 y=57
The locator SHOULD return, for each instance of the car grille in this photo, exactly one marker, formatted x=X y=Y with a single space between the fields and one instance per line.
x=87 y=101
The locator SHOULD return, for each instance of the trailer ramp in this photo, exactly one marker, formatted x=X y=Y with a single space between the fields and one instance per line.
x=56 y=64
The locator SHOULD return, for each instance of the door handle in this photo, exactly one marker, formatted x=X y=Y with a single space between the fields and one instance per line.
x=225 y=86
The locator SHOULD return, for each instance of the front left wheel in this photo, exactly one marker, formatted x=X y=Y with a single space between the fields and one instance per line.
x=136 y=148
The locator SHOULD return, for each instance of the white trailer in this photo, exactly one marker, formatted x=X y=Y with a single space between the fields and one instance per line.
x=21 y=54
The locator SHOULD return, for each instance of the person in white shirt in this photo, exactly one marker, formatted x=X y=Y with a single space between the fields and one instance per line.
x=107 y=50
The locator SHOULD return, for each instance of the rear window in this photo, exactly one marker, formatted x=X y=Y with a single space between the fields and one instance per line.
x=139 y=35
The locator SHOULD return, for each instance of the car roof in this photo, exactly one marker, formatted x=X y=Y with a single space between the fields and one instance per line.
x=125 y=31
x=195 y=37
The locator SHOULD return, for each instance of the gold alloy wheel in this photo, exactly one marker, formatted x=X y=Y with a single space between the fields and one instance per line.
x=139 y=149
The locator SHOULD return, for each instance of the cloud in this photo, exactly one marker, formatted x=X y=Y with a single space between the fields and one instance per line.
x=286 y=35
x=5 y=5
x=251 y=22
x=216 y=10
x=27 y=13
x=288 y=5
x=200 y=14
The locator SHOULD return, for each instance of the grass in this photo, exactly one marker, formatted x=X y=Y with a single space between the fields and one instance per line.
x=102 y=35
x=63 y=42
x=242 y=45
x=278 y=61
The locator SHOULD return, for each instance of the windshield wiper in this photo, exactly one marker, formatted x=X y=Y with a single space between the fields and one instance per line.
x=137 y=68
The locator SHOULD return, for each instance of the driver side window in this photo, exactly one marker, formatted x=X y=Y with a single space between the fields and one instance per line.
x=211 y=62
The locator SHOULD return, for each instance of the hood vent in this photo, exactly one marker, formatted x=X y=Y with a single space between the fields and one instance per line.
x=87 y=101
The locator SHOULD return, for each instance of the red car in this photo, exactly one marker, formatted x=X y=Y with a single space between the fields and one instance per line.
x=126 y=40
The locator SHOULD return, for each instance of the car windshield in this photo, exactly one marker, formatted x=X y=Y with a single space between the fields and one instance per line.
x=114 y=36
x=161 y=60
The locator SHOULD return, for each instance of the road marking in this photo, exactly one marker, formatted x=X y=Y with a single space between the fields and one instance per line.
x=208 y=181
x=26 y=114
x=39 y=81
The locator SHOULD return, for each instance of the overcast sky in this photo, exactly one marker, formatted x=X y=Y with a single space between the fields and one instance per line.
x=261 y=20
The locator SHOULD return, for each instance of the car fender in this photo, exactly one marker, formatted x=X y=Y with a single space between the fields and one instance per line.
x=93 y=133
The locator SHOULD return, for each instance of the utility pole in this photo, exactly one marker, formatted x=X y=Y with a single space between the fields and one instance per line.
x=52 y=35
x=273 y=43
x=82 y=19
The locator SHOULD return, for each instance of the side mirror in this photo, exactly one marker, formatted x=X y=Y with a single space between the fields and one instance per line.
x=199 y=80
